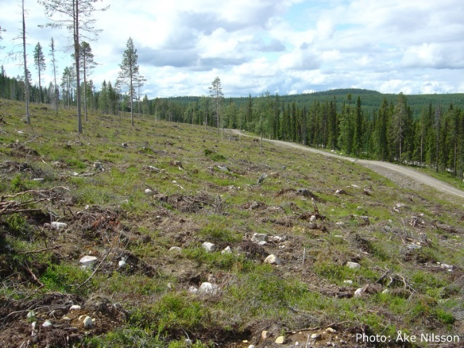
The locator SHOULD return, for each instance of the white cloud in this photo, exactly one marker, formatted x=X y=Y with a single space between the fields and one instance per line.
x=266 y=45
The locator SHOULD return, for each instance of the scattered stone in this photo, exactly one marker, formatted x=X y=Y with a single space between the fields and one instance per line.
x=75 y=308
x=340 y=192
x=38 y=179
x=88 y=322
x=265 y=334
x=208 y=288
x=353 y=265
x=176 y=164
x=227 y=250
x=348 y=282
x=313 y=218
x=413 y=246
x=122 y=263
x=154 y=169
x=312 y=226
x=315 y=336
x=223 y=168
x=259 y=237
x=87 y=261
x=280 y=340
x=148 y=191
x=330 y=330
x=30 y=315
x=360 y=292
x=209 y=247
x=47 y=323
x=193 y=290
x=124 y=145
x=175 y=248
x=272 y=260
x=58 y=225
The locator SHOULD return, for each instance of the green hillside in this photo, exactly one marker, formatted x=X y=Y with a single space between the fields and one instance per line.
x=354 y=253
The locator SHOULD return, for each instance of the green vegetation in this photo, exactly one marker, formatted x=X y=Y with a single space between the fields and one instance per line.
x=129 y=194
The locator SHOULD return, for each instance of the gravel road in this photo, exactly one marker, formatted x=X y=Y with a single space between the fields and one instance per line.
x=392 y=171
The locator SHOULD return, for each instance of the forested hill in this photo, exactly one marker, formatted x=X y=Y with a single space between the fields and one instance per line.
x=370 y=100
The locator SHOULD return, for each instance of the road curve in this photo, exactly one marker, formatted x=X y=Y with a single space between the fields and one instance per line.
x=408 y=172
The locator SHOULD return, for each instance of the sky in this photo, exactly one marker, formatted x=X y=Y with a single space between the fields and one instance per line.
x=284 y=47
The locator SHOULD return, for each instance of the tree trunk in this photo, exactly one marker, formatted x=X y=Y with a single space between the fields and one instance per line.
x=76 y=55
x=26 y=80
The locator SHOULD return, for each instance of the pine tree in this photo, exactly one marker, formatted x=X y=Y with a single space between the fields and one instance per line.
x=215 y=92
x=78 y=14
x=87 y=63
x=129 y=72
x=39 y=62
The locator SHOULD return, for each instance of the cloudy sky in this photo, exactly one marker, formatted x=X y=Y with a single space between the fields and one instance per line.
x=285 y=47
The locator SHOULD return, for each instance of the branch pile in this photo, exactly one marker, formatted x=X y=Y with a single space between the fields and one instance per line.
x=24 y=201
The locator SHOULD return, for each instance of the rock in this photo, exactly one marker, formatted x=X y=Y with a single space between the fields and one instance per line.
x=38 y=179
x=413 y=246
x=223 y=168
x=280 y=340
x=88 y=323
x=209 y=247
x=251 y=346
x=315 y=336
x=188 y=342
x=208 y=288
x=148 y=191
x=312 y=226
x=58 y=225
x=176 y=249
x=313 y=218
x=30 y=315
x=75 y=308
x=124 y=145
x=340 y=192
x=259 y=237
x=304 y=192
x=193 y=290
x=353 y=265
x=330 y=330
x=265 y=334
x=47 y=323
x=122 y=263
x=154 y=169
x=348 y=282
x=227 y=250
x=272 y=260
x=359 y=293
x=87 y=261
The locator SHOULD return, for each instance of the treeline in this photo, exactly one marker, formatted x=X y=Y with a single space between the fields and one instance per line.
x=389 y=132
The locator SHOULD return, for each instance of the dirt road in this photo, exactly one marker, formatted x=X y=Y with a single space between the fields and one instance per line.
x=381 y=168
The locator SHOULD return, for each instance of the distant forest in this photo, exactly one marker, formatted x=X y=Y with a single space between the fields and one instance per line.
x=422 y=130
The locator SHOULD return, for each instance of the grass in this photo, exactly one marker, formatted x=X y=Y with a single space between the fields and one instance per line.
x=161 y=310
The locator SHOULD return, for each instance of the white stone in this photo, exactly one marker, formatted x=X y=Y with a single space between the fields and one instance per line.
x=88 y=322
x=38 y=179
x=227 y=250
x=75 y=307
x=280 y=340
x=265 y=334
x=209 y=247
x=58 y=225
x=47 y=323
x=348 y=281
x=353 y=265
x=87 y=261
x=262 y=243
x=272 y=260
x=30 y=314
x=148 y=191
x=359 y=292
x=122 y=264
x=175 y=248
x=193 y=290
x=259 y=237
x=251 y=346
x=315 y=336
x=313 y=218
x=413 y=246
x=208 y=288
x=330 y=330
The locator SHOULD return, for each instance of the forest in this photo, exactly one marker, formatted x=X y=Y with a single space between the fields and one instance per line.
x=421 y=130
